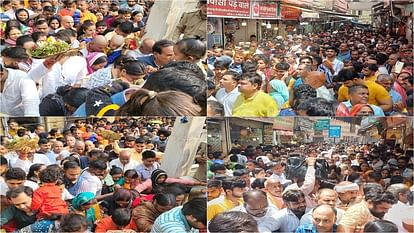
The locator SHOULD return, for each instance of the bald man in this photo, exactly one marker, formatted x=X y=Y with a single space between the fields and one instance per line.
x=67 y=22
x=144 y=49
x=323 y=220
x=257 y=206
x=98 y=44
x=274 y=189
x=124 y=161
x=328 y=197
x=347 y=194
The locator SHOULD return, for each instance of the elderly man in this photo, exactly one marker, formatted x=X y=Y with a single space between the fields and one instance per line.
x=144 y=49
x=257 y=206
x=27 y=157
x=387 y=82
x=327 y=197
x=20 y=210
x=323 y=220
x=274 y=189
x=124 y=161
x=347 y=194
x=401 y=192
x=375 y=205
x=67 y=22
x=98 y=44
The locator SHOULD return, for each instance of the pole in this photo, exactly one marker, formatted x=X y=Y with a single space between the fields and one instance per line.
x=182 y=145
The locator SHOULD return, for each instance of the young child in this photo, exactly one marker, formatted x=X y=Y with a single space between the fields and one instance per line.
x=47 y=199
x=87 y=31
x=148 y=165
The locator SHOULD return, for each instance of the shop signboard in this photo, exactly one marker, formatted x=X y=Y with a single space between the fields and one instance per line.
x=322 y=124
x=229 y=8
x=335 y=131
x=266 y=10
x=290 y=13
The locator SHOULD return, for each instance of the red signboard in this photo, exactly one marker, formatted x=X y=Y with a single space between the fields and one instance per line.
x=229 y=8
x=265 y=10
x=290 y=13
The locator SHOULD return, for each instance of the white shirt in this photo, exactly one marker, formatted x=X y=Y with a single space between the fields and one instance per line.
x=19 y=95
x=265 y=223
x=285 y=221
x=131 y=165
x=26 y=164
x=397 y=213
x=89 y=183
x=323 y=92
x=227 y=99
x=70 y=73
x=4 y=188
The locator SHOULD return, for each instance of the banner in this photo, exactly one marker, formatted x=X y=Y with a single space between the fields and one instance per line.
x=229 y=8
x=290 y=13
x=266 y=10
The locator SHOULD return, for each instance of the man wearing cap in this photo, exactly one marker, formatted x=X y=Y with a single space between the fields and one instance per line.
x=347 y=194
x=193 y=24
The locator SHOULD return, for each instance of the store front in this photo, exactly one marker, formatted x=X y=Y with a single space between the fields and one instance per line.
x=235 y=23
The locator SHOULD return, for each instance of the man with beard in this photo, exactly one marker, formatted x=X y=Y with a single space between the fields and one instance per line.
x=160 y=142
x=186 y=218
x=233 y=191
x=347 y=193
x=257 y=206
x=274 y=189
x=328 y=197
x=287 y=219
x=374 y=206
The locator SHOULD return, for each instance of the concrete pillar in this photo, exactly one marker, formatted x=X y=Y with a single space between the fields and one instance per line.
x=182 y=146
x=164 y=17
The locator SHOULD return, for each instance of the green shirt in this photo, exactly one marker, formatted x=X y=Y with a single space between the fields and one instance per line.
x=20 y=217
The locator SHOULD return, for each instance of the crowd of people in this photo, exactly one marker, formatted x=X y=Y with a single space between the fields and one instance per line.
x=311 y=188
x=348 y=72
x=97 y=176
x=113 y=68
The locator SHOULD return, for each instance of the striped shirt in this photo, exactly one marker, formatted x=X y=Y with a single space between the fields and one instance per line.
x=87 y=183
x=172 y=221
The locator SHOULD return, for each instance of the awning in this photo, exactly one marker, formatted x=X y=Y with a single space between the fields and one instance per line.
x=322 y=11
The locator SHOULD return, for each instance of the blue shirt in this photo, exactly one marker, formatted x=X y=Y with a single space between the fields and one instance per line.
x=297 y=83
x=344 y=56
x=172 y=221
x=145 y=172
x=310 y=228
x=148 y=60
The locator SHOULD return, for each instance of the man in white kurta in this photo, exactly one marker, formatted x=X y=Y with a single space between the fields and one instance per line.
x=18 y=94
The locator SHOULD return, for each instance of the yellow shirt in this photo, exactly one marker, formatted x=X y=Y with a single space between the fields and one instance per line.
x=259 y=105
x=220 y=205
x=88 y=16
x=376 y=93
x=134 y=154
x=372 y=78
